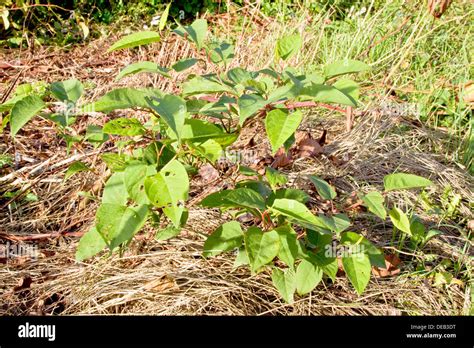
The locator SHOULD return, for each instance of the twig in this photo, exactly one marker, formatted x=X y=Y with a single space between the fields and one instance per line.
x=349 y=119
x=40 y=236
x=39 y=5
x=33 y=170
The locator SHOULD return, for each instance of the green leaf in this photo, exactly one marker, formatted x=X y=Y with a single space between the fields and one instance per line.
x=241 y=259
x=288 y=245
x=285 y=283
x=336 y=223
x=95 y=135
x=261 y=247
x=349 y=88
x=325 y=190
x=275 y=178
x=184 y=64
x=167 y=233
x=374 y=201
x=227 y=237
x=345 y=66
x=327 y=263
x=172 y=110
x=319 y=240
x=74 y=168
x=431 y=234
x=327 y=94
x=288 y=46
x=400 y=220
x=249 y=104
x=142 y=67
x=115 y=191
x=114 y=161
x=210 y=149
x=357 y=267
x=247 y=198
x=288 y=193
x=69 y=90
x=376 y=256
x=308 y=276
x=164 y=17
x=399 y=181
x=418 y=230
x=134 y=180
x=158 y=154
x=216 y=199
x=23 y=111
x=124 y=126
x=196 y=32
x=247 y=171
x=169 y=190
x=298 y=213
x=135 y=39
x=240 y=76
x=4 y=15
x=123 y=98
x=256 y=185
x=286 y=92
x=118 y=223
x=90 y=244
x=201 y=85
x=280 y=125
x=200 y=131
x=221 y=52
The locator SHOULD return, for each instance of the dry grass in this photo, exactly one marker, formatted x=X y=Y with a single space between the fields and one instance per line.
x=171 y=278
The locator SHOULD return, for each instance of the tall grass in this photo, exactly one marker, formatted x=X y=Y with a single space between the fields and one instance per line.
x=415 y=58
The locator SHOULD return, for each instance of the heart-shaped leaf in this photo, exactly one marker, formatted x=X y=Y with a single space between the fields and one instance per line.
x=261 y=247
x=399 y=181
x=124 y=126
x=135 y=39
x=374 y=201
x=285 y=283
x=288 y=46
x=67 y=91
x=23 y=111
x=345 y=66
x=169 y=190
x=324 y=189
x=172 y=110
x=308 y=276
x=227 y=237
x=280 y=126
x=400 y=220
x=90 y=244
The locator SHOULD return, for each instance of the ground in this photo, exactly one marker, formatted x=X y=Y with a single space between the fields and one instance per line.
x=171 y=277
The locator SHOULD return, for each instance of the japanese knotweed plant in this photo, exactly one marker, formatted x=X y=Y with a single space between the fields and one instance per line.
x=151 y=183
x=409 y=225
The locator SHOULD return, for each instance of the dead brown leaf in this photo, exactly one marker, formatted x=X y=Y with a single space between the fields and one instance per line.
x=391 y=267
x=23 y=283
x=161 y=284
x=308 y=147
x=282 y=159
x=208 y=173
